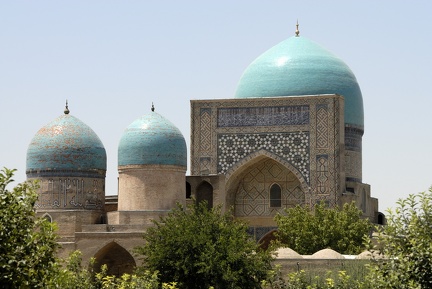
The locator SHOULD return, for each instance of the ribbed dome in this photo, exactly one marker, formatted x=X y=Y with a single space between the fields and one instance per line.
x=152 y=140
x=299 y=66
x=66 y=144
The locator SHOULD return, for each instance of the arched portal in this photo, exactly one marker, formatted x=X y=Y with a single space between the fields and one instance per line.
x=266 y=240
x=252 y=188
x=204 y=192
x=118 y=260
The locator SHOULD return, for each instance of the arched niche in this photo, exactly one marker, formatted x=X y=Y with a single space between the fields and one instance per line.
x=47 y=217
x=188 y=191
x=275 y=196
x=118 y=260
x=204 y=192
x=249 y=187
x=266 y=240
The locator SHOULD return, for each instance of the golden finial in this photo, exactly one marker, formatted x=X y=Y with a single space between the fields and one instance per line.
x=152 y=108
x=297 y=32
x=66 y=111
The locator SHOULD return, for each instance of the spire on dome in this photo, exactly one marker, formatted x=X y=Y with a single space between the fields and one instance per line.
x=66 y=111
x=297 y=32
x=152 y=108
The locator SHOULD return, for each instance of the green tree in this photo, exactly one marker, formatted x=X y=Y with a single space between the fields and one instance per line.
x=199 y=247
x=307 y=231
x=27 y=243
x=406 y=243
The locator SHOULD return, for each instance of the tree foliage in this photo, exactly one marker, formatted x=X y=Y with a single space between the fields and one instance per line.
x=27 y=243
x=307 y=231
x=406 y=243
x=72 y=274
x=199 y=247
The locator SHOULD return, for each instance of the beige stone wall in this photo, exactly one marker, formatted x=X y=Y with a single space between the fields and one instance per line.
x=217 y=183
x=71 y=221
x=151 y=187
x=113 y=248
x=361 y=194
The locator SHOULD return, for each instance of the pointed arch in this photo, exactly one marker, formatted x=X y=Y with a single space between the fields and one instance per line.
x=117 y=259
x=248 y=188
x=266 y=240
x=47 y=217
x=256 y=157
x=204 y=192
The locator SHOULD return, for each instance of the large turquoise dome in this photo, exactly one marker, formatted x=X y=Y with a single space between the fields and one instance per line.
x=65 y=145
x=299 y=66
x=152 y=140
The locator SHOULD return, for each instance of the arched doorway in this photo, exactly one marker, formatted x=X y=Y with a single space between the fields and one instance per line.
x=188 y=191
x=381 y=219
x=118 y=260
x=204 y=192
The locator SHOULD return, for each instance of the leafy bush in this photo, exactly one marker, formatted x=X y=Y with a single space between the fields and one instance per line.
x=28 y=243
x=406 y=243
x=199 y=247
x=307 y=231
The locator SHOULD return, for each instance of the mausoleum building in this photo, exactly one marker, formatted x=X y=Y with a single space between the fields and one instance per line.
x=290 y=135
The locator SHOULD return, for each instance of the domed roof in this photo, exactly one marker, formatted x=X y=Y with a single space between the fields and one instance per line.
x=299 y=66
x=286 y=253
x=327 y=254
x=152 y=140
x=66 y=143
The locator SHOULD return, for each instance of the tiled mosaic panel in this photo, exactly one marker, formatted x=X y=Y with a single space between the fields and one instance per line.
x=253 y=194
x=205 y=129
x=322 y=126
x=263 y=116
x=293 y=147
x=322 y=174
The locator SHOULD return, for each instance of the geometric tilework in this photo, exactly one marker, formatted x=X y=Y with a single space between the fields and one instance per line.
x=290 y=146
x=322 y=126
x=252 y=197
x=322 y=174
x=263 y=116
x=205 y=130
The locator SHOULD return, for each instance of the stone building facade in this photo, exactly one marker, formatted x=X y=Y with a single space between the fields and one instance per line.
x=291 y=135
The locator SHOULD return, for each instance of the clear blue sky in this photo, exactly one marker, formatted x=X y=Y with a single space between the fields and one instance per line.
x=112 y=59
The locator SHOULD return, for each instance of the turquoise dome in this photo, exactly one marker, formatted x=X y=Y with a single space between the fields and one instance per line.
x=152 y=140
x=299 y=66
x=65 y=144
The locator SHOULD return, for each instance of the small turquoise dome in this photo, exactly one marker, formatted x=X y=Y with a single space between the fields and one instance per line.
x=66 y=144
x=299 y=66
x=152 y=140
